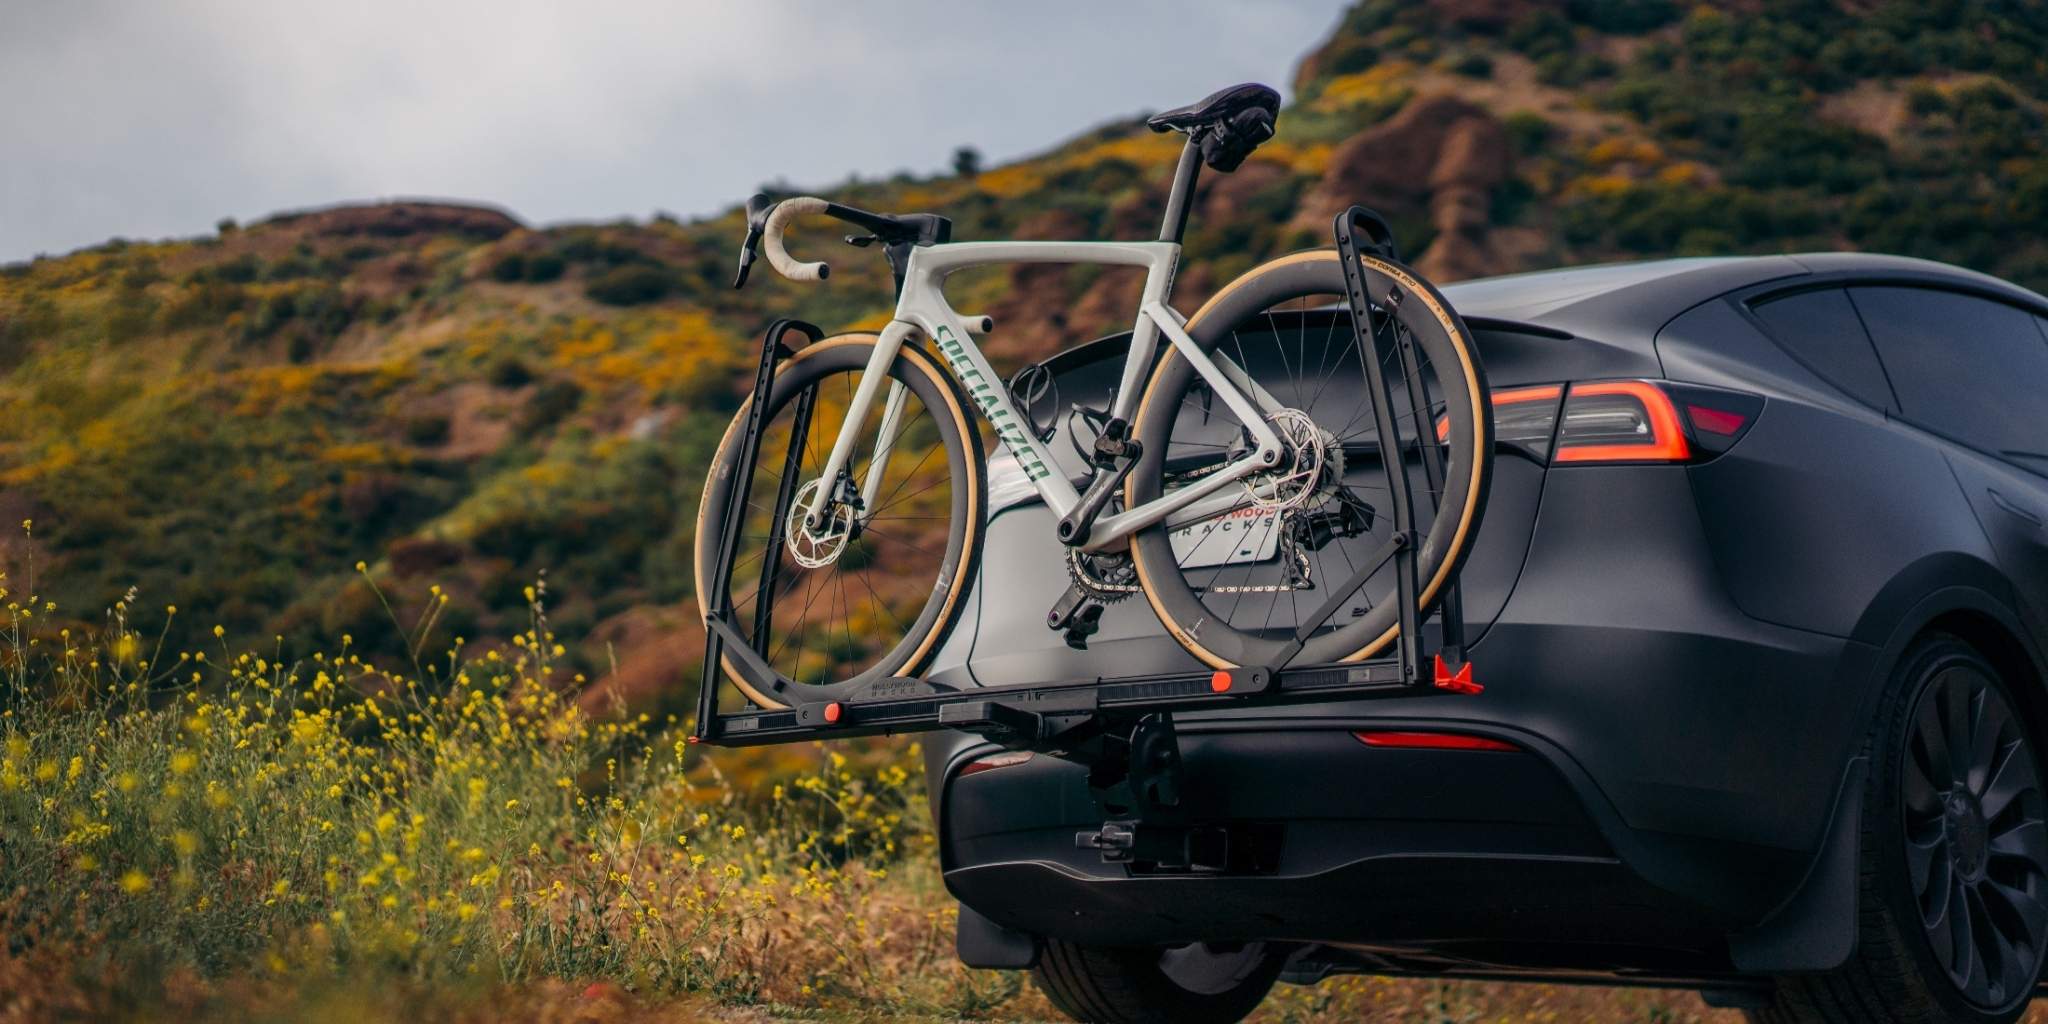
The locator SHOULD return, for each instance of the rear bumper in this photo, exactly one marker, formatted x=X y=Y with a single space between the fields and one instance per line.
x=1481 y=856
x=1511 y=860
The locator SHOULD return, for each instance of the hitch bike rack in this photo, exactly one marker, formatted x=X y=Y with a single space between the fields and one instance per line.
x=1120 y=728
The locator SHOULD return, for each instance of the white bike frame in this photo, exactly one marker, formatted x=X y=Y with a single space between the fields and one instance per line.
x=922 y=307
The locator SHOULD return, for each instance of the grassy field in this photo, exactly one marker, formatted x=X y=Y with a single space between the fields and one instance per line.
x=242 y=831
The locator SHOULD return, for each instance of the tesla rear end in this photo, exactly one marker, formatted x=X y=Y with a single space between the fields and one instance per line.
x=1588 y=813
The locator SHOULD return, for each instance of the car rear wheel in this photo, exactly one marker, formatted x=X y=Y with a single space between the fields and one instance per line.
x=1954 y=902
x=1199 y=983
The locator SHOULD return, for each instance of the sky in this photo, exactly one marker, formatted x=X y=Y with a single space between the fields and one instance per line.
x=158 y=119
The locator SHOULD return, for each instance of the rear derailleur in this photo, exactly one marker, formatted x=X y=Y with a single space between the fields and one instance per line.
x=1342 y=514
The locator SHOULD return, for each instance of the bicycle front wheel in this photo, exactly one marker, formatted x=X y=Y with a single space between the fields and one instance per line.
x=1234 y=588
x=871 y=593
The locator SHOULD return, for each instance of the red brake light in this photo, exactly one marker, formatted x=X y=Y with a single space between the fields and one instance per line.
x=1620 y=421
x=1432 y=741
x=1005 y=759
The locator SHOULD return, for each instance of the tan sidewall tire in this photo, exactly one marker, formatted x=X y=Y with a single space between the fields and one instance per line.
x=1477 y=461
x=956 y=588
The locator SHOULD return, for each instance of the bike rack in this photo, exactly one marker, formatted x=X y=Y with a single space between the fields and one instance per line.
x=1122 y=727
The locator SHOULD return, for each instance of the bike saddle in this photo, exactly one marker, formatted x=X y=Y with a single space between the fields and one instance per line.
x=1229 y=124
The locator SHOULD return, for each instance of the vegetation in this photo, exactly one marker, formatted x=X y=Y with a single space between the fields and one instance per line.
x=227 y=424
x=230 y=829
x=300 y=817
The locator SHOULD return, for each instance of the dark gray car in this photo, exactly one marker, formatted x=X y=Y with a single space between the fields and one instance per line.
x=1763 y=685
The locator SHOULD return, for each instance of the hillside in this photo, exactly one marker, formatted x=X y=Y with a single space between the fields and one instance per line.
x=229 y=424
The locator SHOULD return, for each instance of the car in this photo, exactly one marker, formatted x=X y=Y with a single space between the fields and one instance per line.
x=1759 y=605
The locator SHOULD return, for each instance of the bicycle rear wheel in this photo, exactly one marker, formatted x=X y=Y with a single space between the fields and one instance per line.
x=1234 y=588
x=873 y=594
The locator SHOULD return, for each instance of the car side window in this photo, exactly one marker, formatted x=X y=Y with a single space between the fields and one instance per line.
x=1968 y=367
x=1821 y=329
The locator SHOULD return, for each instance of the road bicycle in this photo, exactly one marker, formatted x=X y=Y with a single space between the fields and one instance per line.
x=1253 y=477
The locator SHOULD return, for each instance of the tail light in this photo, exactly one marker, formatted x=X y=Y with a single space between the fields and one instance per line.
x=1524 y=418
x=1620 y=421
x=1432 y=741
x=1006 y=759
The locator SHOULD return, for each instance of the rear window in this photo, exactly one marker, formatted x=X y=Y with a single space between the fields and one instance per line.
x=1971 y=368
x=1821 y=329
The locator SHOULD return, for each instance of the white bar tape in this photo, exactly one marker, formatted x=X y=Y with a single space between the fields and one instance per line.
x=979 y=326
x=771 y=239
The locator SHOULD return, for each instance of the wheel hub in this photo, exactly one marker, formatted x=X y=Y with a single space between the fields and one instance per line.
x=1968 y=835
x=1310 y=465
x=816 y=547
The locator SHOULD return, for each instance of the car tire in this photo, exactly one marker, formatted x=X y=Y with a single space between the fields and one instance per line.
x=1927 y=850
x=1192 y=984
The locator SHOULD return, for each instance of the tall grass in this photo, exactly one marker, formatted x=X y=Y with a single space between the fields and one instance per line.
x=243 y=832
x=227 y=812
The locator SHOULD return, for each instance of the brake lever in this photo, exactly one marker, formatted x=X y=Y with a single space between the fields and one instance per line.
x=758 y=208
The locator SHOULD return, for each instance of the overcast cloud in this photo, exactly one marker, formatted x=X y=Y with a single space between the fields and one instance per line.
x=157 y=119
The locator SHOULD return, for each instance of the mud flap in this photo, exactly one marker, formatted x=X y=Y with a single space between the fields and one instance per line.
x=984 y=944
x=1815 y=929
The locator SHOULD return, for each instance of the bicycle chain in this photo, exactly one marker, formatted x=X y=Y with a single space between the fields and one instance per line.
x=1106 y=591
x=1110 y=592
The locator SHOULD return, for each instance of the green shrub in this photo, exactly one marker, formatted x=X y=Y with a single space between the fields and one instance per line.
x=426 y=429
x=1528 y=132
x=509 y=267
x=543 y=267
x=1474 y=65
x=554 y=399
x=1923 y=100
x=630 y=285
x=1541 y=33
x=508 y=371
x=1624 y=16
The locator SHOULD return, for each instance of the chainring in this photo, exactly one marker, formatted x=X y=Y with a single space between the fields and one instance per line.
x=1107 y=578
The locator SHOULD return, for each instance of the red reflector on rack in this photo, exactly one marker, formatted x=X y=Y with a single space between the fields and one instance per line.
x=1456 y=682
x=833 y=711
x=1219 y=681
x=1432 y=741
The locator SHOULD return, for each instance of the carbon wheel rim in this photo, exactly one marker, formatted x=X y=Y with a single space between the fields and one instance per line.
x=1211 y=615
x=1976 y=844
x=824 y=367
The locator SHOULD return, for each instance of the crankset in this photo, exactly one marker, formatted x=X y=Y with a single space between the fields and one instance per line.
x=1096 y=582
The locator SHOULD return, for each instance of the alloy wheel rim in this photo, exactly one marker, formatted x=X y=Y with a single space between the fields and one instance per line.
x=1976 y=841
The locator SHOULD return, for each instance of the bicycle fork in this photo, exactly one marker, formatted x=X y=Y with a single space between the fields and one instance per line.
x=820 y=509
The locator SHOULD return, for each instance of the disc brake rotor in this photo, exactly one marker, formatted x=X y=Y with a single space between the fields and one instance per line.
x=1308 y=471
x=810 y=548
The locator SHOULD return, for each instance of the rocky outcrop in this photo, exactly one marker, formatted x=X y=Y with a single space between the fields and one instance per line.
x=401 y=218
x=1439 y=159
x=1492 y=15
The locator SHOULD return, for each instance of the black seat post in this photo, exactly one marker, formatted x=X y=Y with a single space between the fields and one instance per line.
x=1182 y=197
